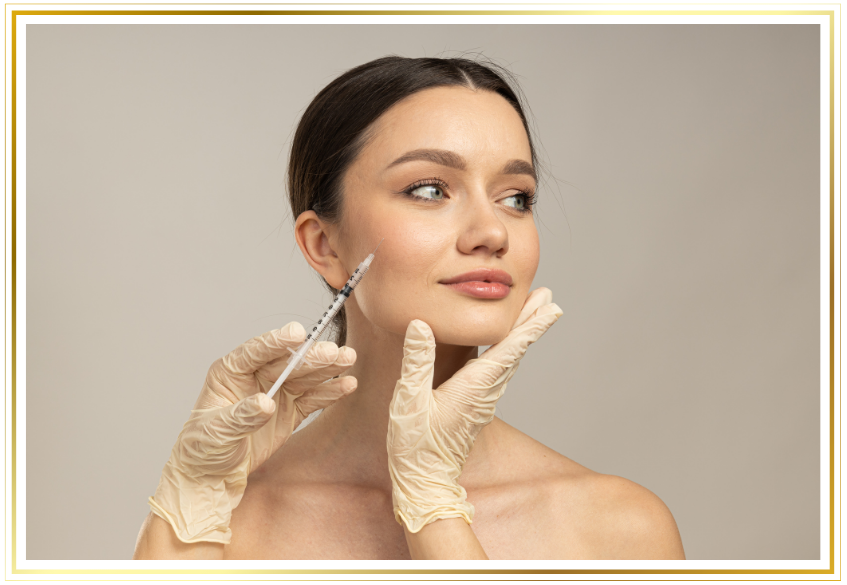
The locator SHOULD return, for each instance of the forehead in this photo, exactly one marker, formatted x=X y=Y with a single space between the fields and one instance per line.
x=480 y=123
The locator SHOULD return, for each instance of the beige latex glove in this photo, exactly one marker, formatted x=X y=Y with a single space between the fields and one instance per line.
x=235 y=427
x=431 y=432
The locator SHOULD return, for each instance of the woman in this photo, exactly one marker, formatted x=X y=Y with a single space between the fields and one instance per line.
x=435 y=157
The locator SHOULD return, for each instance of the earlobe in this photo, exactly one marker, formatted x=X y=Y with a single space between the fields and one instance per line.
x=311 y=234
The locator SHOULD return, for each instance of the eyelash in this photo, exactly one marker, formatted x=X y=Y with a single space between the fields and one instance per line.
x=529 y=200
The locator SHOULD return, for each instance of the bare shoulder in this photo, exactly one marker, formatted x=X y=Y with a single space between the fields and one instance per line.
x=624 y=520
x=515 y=457
x=590 y=514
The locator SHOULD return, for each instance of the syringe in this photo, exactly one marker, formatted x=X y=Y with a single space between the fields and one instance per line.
x=300 y=354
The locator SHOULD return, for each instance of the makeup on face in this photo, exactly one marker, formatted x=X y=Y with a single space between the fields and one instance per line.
x=448 y=181
x=483 y=283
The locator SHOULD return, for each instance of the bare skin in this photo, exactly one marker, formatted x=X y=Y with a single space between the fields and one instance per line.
x=531 y=503
x=541 y=505
x=326 y=494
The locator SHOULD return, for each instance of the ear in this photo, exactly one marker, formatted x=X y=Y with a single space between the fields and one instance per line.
x=313 y=236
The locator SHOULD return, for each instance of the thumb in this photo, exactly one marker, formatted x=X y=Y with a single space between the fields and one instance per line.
x=242 y=418
x=415 y=383
x=496 y=366
x=511 y=349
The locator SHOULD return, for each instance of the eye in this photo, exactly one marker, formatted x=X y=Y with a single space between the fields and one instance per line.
x=520 y=201
x=434 y=190
x=428 y=192
x=517 y=201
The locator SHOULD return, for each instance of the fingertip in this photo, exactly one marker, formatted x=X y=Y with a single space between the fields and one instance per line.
x=419 y=330
x=326 y=351
x=265 y=402
x=294 y=331
x=543 y=294
x=351 y=384
x=551 y=309
x=253 y=411
x=418 y=355
x=347 y=355
x=419 y=338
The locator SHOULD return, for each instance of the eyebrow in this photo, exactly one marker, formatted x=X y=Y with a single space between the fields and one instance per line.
x=451 y=159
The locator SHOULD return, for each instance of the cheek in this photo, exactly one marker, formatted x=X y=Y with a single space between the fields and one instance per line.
x=398 y=284
x=401 y=284
x=527 y=255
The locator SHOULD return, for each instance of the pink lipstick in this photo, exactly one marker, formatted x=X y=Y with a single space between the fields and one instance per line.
x=483 y=283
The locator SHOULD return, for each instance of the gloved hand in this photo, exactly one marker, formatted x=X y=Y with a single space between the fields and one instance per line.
x=234 y=427
x=431 y=432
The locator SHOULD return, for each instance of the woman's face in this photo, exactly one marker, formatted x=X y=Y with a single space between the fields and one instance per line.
x=466 y=156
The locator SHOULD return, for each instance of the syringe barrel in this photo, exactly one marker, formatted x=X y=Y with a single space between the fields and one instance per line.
x=355 y=279
x=342 y=296
x=327 y=317
x=298 y=355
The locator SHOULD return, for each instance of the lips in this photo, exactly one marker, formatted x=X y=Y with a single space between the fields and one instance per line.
x=482 y=275
x=483 y=283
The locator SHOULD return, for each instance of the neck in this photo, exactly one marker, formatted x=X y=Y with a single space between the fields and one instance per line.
x=350 y=435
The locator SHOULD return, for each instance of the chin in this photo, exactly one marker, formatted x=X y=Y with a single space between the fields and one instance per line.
x=469 y=335
x=460 y=324
x=468 y=324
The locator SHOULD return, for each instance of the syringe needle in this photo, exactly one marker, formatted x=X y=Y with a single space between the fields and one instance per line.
x=378 y=245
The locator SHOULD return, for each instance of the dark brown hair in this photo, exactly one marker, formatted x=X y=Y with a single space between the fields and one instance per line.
x=337 y=125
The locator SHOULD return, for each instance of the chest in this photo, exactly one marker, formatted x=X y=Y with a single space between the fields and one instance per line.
x=321 y=522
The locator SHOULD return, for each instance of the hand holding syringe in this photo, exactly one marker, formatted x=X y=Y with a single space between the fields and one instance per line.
x=233 y=411
x=299 y=355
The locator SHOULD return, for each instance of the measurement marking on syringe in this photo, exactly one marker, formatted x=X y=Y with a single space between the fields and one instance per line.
x=300 y=354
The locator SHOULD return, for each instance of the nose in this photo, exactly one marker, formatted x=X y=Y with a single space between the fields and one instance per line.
x=483 y=232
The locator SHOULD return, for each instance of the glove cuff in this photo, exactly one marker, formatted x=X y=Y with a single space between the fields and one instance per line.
x=180 y=527
x=415 y=515
x=198 y=508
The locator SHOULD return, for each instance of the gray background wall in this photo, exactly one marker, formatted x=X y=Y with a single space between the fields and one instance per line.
x=680 y=235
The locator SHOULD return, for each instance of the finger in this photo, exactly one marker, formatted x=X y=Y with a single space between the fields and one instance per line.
x=243 y=418
x=514 y=346
x=346 y=357
x=536 y=299
x=496 y=366
x=325 y=394
x=474 y=390
x=262 y=349
x=216 y=445
x=319 y=356
x=415 y=384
